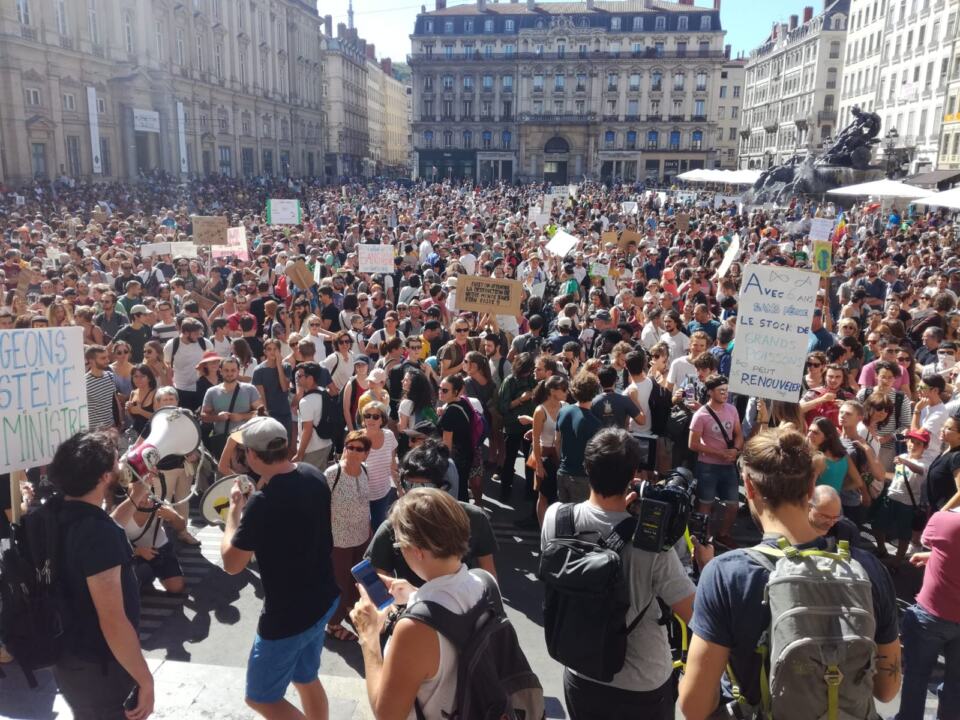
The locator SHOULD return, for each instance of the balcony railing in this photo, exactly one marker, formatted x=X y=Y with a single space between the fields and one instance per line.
x=698 y=118
x=654 y=118
x=556 y=118
x=28 y=33
x=827 y=116
x=649 y=53
x=675 y=118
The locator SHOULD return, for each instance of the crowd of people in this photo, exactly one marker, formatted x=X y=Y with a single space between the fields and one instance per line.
x=372 y=399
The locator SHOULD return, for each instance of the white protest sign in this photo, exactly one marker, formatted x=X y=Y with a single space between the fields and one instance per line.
x=184 y=249
x=236 y=245
x=599 y=269
x=538 y=289
x=283 y=212
x=561 y=244
x=775 y=311
x=533 y=211
x=375 y=258
x=821 y=228
x=151 y=249
x=729 y=256
x=20 y=200
x=572 y=189
x=43 y=394
x=628 y=208
x=542 y=220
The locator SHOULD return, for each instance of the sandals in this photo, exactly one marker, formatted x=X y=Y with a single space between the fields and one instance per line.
x=339 y=632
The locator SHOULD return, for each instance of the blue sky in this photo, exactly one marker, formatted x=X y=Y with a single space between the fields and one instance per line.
x=388 y=23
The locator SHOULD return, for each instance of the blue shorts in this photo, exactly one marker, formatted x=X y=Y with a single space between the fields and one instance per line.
x=274 y=663
x=717 y=482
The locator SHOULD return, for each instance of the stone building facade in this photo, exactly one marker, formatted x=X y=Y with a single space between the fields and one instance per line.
x=345 y=102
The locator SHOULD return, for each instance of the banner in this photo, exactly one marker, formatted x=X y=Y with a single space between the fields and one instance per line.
x=822 y=256
x=562 y=243
x=209 y=229
x=43 y=394
x=488 y=295
x=183 y=249
x=375 y=258
x=93 y=118
x=146 y=121
x=182 y=138
x=775 y=311
x=733 y=250
x=283 y=212
x=821 y=228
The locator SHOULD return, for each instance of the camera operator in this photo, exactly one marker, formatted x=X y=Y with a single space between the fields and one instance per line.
x=644 y=687
x=102 y=661
x=731 y=615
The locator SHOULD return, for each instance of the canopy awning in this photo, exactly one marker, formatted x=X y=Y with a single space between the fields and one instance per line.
x=882 y=189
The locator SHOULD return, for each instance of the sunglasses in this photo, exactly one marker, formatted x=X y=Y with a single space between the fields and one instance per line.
x=121 y=352
x=371 y=416
x=462 y=330
x=345 y=342
x=814 y=364
x=356 y=448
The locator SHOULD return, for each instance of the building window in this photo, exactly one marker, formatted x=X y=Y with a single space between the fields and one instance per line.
x=218 y=59
x=507 y=82
x=467 y=140
x=101 y=106
x=73 y=155
x=509 y=50
x=448 y=138
x=33 y=96
x=612 y=79
x=468 y=26
x=683 y=23
x=614 y=23
x=609 y=138
x=468 y=82
x=538 y=83
x=448 y=27
x=634 y=82
x=38 y=159
x=428 y=138
x=834 y=49
x=678 y=79
x=631 y=139
x=733 y=133
x=704 y=22
x=698 y=110
x=93 y=22
x=696 y=140
x=487 y=82
x=734 y=112
x=701 y=81
x=508 y=26
x=656 y=81
x=486 y=139
x=723 y=91
x=674 y=139
x=61 y=10
x=128 y=33
x=428 y=83
x=637 y=23
x=660 y=23
x=581 y=82
x=488 y=50
x=242 y=62
x=179 y=47
x=505 y=139
x=200 y=66
x=488 y=25
x=226 y=160
x=23 y=12
x=580 y=107
x=633 y=108
x=448 y=51
x=447 y=82
x=427 y=25
x=69 y=102
x=653 y=140
x=681 y=49
x=558 y=82
x=736 y=91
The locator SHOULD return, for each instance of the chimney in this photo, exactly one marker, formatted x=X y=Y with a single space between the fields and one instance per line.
x=726 y=51
x=794 y=19
x=807 y=14
x=716 y=4
x=371 y=52
x=441 y=5
x=328 y=25
x=341 y=31
x=387 y=66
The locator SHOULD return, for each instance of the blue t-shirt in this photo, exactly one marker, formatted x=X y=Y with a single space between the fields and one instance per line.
x=576 y=426
x=710 y=327
x=729 y=610
x=613 y=409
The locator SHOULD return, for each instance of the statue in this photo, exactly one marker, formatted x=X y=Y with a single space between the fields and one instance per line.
x=852 y=148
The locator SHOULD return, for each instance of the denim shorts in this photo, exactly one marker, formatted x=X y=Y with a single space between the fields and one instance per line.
x=274 y=663
x=717 y=482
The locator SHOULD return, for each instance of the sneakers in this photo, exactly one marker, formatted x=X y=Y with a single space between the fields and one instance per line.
x=186 y=538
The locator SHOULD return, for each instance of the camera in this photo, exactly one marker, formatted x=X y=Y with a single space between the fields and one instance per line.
x=666 y=510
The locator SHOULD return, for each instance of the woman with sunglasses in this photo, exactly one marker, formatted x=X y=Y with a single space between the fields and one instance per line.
x=122 y=369
x=814 y=370
x=266 y=272
x=153 y=359
x=140 y=406
x=886 y=373
x=340 y=362
x=381 y=461
x=349 y=486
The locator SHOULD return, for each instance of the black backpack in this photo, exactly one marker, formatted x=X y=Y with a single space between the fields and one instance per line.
x=587 y=598
x=33 y=611
x=494 y=679
x=331 y=425
x=176 y=346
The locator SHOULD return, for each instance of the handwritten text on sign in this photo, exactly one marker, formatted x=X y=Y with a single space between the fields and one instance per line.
x=488 y=295
x=773 y=328
x=43 y=394
x=375 y=258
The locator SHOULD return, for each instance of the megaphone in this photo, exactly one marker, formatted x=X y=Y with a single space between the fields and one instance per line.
x=173 y=431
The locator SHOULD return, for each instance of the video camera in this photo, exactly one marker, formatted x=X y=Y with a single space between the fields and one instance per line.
x=666 y=510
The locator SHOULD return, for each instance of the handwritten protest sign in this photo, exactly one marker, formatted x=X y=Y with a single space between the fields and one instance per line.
x=683 y=222
x=572 y=189
x=561 y=244
x=628 y=208
x=610 y=236
x=209 y=229
x=600 y=269
x=775 y=311
x=630 y=236
x=538 y=289
x=375 y=258
x=488 y=295
x=300 y=274
x=43 y=395
x=283 y=212
x=533 y=212
x=729 y=256
x=236 y=245
x=183 y=249
x=542 y=219
x=821 y=228
x=152 y=249
x=822 y=256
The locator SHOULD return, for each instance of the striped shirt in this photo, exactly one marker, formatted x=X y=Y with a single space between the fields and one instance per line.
x=380 y=466
x=100 y=394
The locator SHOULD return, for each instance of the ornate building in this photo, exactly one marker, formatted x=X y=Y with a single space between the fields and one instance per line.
x=793 y=87
x=617 y=89
x=345 y=102
x=107 y=89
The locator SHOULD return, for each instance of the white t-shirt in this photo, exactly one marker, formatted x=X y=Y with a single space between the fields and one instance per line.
x=681 y=369
x=340 y=370
x=184 y=363
x=223 y=348
x=311 y=410
x=932 y=419
x=642 y=399
x=469 y=262
x=678 y=344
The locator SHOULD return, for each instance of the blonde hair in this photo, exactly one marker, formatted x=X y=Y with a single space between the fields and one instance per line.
x=431 y=519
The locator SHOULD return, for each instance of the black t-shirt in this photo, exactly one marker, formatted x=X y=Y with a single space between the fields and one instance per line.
x=91 y=542
x=287 y=524
x=258 y=311
x=136 y=339
x=383 y=556
x=330 y=312
x=940 y=483
x=256 y=347
x=457 y=421
x=5 y=504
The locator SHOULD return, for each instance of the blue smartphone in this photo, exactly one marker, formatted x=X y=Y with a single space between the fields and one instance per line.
x=366 y=575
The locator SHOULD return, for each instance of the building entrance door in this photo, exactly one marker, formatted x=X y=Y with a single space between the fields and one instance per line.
x=555 y=172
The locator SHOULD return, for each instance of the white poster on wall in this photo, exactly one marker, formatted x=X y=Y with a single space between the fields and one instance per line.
x=146 y=121
x=94 y=121
x=182 y=138
x=774 y=315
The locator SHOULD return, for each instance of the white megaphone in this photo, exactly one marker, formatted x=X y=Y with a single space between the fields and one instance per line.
x=173 y=431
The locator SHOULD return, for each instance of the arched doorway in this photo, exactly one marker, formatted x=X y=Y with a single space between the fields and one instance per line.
x=555 y=153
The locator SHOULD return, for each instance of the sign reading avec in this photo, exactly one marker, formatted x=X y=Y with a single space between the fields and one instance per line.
x=489 y=295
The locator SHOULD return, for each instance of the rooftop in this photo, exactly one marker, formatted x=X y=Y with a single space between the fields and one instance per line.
x=570 y=8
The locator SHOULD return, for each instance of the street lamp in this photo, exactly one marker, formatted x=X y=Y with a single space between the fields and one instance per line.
x=891 y=155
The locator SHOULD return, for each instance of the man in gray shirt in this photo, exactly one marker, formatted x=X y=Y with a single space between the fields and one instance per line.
x=225 y=413
x=644 y=687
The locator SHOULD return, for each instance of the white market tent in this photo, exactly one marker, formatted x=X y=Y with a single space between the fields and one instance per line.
x=723 y=177
x=882 y=189
x=945 y=199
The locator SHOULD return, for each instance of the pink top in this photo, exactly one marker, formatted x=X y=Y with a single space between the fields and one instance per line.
x=868 y=377
x=710 y=434
x=940 y=593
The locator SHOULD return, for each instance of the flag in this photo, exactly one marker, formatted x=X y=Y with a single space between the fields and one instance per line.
x=839 y=229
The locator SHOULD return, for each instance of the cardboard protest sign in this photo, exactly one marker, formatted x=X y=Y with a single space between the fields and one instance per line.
x=610 y=236
x=205 y=303
x=600 y=269
x=152 y=249
x=209 y=229
x=821 y=228
x=733 y=250
x=822 y=256
x=44 y=395
x=236 y=245
x=283 y=212
x=300 y=274
x=683 y=222
x=562 y=243
x=775 y=312
x=375 y=258
x=630 y=236
x=488 y=295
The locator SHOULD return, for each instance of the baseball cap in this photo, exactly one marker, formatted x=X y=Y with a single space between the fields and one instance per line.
x=260 y=434
x=919 y=435
x=422 y=429
x=139 y=310
x=602 y=315
x=565 y=322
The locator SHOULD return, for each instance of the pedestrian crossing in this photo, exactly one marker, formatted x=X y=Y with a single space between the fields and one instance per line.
x=156 y=605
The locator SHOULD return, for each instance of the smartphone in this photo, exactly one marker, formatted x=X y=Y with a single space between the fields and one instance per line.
x=367 y=576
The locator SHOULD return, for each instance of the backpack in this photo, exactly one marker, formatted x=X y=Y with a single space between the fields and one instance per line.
x=818 y=653
x=660 y=401
x=494 y=679
x=151 y=286
x=479 y=428
x=587 y=598
x=176 y=346
x=33 y=611
x=331 y=425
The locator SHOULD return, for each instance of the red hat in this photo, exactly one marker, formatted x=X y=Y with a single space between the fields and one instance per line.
x=919 y=435
x=209 y=356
